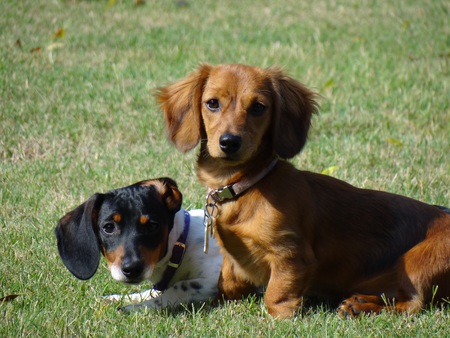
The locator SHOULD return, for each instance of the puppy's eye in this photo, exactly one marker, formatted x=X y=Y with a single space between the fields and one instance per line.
x=153 y=226
x=109 y=228
x=213 y=105
x=257 y=109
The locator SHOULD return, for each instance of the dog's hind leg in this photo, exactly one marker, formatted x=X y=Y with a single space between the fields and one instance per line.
x=424 y=272
x=422 y=277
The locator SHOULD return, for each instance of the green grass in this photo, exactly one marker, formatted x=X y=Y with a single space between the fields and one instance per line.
x=79 y=116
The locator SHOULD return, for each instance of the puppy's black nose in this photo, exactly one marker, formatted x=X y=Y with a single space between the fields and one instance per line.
x=132 y=269
x=230 y=143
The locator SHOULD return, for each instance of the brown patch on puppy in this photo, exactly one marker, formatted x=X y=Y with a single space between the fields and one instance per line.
x=168 y=190
x=152 y=256
x=115 y=257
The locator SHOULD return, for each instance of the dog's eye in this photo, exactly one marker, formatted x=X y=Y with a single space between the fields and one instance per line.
x=213 y=105
x=257 y=109
x=153 y=226
x=109 y=228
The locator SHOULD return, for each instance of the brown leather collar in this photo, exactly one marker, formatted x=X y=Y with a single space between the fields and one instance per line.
x=234 y=189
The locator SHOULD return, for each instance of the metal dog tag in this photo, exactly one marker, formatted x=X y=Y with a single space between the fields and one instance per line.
x=208 y=221
x=206 y=242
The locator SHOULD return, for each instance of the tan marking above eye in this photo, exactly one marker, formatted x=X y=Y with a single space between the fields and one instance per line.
x=117 y=218
x=143 y=219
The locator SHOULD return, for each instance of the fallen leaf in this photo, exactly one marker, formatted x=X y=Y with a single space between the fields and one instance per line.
x=60 y=33
x=406 y=24
x=36 y=50
x=328 y=84
x=330 y=170
x=8 y=298
x=394 y=141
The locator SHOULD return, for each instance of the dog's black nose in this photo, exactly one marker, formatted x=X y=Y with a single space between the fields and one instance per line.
x=132 y=269
x=230 y=143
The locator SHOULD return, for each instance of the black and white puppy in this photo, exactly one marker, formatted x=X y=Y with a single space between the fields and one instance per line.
x=144 y=234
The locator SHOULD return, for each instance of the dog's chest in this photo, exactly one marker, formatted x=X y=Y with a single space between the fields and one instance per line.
x=243 y=245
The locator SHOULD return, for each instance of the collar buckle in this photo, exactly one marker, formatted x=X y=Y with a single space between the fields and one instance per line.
x=224 y=193
x=177 y=254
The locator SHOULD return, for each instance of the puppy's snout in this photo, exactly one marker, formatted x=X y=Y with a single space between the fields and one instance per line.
x=230 y=143
x=132 y=268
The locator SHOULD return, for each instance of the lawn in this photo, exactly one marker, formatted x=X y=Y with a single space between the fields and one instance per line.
x=78 y=115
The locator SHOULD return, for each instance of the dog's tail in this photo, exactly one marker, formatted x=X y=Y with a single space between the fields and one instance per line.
x=444 y=209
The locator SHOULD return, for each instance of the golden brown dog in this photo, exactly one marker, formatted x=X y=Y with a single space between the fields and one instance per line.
x=297 y=232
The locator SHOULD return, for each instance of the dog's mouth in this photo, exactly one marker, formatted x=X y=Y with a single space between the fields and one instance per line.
x=229 y=160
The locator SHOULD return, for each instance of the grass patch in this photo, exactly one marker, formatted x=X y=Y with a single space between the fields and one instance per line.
x=78 y=116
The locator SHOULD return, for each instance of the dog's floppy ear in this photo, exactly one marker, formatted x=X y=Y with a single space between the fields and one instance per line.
x=171 y=196
x=181 y=103
x=77 y=242
x=167 y=188
x=294 y=106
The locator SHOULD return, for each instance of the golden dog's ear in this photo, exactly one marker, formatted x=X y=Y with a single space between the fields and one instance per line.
x=294 y=106
x=181 y=103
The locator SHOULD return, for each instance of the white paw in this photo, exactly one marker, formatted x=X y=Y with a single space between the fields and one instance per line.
x=113 y=298
x=134 y=297
x=150 y=304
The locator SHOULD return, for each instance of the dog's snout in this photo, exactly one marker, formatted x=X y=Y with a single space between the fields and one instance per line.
x=132 y=268
x=230 y=143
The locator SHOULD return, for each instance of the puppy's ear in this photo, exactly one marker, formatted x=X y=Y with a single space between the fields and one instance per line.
x=181 y=103
x=171 y=196
x=294 y=106
x=77 y=242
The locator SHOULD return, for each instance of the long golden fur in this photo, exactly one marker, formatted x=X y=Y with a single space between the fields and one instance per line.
x=297 y=232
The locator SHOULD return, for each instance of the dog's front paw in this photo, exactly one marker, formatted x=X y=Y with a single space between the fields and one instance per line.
x=357 y=304
x=113 y=298
x=150 y=304
x=130 y=308
x=134 y=297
